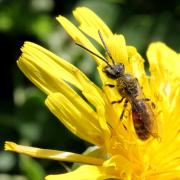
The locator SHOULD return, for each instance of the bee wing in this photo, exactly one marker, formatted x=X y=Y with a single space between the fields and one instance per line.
x=153 y=127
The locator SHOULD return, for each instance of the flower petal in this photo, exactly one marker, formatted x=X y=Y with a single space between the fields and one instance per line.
x=50 y=73
x=164 y=67
x=163 y=59
x=118 y=49
x=45 y=69
x=51 y=154
x=86 y=172
x=90 y=23
x=119 y=167
x=77 y=116
x=79 y=37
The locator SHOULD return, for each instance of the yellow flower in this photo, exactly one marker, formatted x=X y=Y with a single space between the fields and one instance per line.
x=123 y=154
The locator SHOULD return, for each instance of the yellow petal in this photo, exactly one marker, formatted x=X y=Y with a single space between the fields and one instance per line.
x=118 y=166
x=96 y=97
x=78 y=36
x=118 y=49
x=45 y=69
x=86 y=172
x=136 y=62
x=174 y=175
x=137 y=69
x=164 y=67
x=51 y=154
x=77 y=116
x=163 y=59
x=90 y=23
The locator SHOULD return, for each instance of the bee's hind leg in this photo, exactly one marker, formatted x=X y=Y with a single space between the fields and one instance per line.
x=152 y=103
x=124 y=107
x=119 y=101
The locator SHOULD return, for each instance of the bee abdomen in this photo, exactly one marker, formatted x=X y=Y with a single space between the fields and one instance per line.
x=139 y=126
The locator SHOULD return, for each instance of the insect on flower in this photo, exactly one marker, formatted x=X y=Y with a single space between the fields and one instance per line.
x=131 y=92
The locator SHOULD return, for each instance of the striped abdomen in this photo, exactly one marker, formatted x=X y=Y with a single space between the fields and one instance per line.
x=142 y=118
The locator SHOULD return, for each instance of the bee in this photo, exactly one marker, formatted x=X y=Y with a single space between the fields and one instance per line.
x=131 y=92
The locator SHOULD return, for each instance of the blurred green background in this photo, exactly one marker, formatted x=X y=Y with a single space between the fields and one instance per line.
x=23 y=115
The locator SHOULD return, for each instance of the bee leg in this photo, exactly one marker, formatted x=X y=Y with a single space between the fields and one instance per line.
x=119 y=101
x=109 y=125
x=110 y=85
x=124 y=107
x=152 y=103
x=125 y=127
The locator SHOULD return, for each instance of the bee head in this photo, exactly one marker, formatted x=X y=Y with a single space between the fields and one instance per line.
x=114 y=71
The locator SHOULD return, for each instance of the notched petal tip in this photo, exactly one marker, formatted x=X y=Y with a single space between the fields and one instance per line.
x=28 y=48
x=27 y=44
x=9 y=146
x=90 y=23
x=24 y=48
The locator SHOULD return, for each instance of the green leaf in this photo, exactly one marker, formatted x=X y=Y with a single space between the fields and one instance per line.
x=31 y=168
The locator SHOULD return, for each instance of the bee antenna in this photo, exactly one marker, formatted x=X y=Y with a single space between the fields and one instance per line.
x=103 y=59
x=106 y=48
